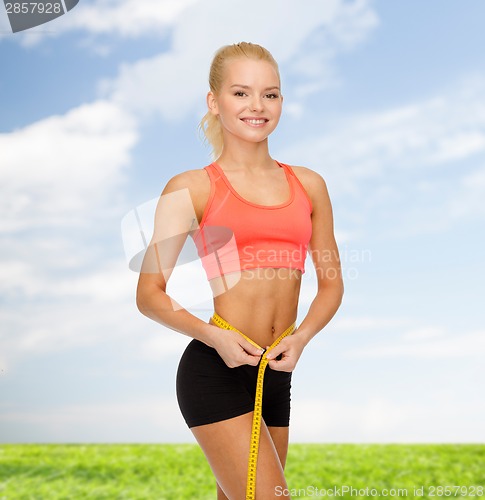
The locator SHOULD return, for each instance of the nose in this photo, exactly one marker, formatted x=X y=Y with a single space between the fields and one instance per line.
x=256 y=103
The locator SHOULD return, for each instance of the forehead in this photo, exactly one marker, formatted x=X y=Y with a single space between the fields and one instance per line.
x=250 y=72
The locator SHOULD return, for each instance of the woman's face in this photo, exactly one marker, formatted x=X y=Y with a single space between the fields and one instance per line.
x=250 y=102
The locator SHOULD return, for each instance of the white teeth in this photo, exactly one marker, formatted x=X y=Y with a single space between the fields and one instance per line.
x=255 y=122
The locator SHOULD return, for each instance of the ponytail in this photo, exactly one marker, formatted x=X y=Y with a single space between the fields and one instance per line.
x=210 y=126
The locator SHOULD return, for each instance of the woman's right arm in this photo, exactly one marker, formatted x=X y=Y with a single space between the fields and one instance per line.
x=181 y=203
x=174 y=218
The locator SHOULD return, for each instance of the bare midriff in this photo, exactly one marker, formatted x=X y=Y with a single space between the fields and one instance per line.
x=260 y=302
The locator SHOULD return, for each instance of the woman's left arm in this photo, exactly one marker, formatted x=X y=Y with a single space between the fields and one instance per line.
x=325 y=256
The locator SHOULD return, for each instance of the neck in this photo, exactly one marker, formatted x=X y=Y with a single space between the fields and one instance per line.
x=248 y=156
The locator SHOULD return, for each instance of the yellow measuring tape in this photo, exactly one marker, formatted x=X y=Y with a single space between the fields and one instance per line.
x=258 y=403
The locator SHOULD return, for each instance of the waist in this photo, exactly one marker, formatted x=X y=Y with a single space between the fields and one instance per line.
x=217 y=320
x=257 y=334
x=257 y=314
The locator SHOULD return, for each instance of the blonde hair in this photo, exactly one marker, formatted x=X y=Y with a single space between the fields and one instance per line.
x=210 y=125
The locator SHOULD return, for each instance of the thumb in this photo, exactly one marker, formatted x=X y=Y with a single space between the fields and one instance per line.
x=275 y=352
x=252 y=349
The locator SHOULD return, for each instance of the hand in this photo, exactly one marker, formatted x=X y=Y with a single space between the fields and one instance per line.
x=291 y=348
x=234 y=349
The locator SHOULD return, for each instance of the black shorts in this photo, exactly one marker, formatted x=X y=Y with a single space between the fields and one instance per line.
x=209 y=391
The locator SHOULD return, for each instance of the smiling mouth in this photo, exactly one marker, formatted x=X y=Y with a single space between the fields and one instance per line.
x=254 y=122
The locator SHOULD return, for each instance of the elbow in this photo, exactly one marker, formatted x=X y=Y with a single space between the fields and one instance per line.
x=333 y=288
x=143 y=299
x=150 y=300
x=338 y=285
x=337 y=291
x=340 y=293
x=141 y=303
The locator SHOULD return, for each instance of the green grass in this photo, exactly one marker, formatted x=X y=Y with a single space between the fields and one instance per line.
x=125 y=471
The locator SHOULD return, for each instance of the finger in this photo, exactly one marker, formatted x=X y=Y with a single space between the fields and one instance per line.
x=276 y=351
x=251 y=360
x=251 y=349
x=282 y=366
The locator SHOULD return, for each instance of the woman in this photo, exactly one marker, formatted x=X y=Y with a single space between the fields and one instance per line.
x=255 y=219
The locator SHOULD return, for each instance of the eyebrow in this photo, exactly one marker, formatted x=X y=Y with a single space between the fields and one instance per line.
x=248 y=87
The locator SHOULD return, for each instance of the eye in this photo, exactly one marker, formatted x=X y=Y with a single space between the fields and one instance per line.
x=239 y=92
x=272 y=96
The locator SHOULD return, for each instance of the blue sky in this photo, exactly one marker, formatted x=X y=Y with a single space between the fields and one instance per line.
x=99 y=108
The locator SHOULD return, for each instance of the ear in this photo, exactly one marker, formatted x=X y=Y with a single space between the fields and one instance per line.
x=212 y=103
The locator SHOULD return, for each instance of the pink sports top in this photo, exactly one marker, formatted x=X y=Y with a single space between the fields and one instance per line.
x=236 y=234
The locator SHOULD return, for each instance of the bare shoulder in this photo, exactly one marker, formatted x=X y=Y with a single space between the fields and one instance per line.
x=197 y=182
x=194 y=180
x=312 y=181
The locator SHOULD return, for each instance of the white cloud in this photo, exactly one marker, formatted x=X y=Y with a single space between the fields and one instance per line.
x=427 y=343
x=467 y=200
x=138 y=420
x=442 y=129
x=345 y=421
x=426 y=332
x=376 y=419
x=61 y=177
x=169 y=84
x=381 y=419
x=94 y=308
x=124 y=18
x=163 y=345
x=367 y=323
x=61 y=170
x=70 y=324
x=111 y=284
x=39 y=328
x=129 y=18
